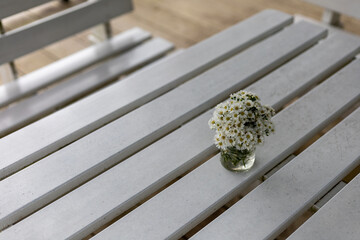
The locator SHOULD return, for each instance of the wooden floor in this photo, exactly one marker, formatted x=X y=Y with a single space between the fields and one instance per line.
x=183 y=22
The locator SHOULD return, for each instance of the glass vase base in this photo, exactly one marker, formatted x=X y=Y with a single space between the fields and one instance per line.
x=247 y=161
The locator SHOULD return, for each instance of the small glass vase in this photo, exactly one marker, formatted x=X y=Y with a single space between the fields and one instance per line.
x=237 y=160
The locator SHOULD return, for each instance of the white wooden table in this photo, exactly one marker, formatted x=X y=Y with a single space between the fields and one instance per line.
x=136 y=160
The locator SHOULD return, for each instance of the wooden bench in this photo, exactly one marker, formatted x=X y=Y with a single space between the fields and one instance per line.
x=333 y=9
x=144 y=166
x=136 y=52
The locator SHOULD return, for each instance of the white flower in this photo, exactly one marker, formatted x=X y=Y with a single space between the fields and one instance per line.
x=248 y=136
x=241 y=122
x=250 y=115
x=243 y=113
x=212 y=123
x=249 y=103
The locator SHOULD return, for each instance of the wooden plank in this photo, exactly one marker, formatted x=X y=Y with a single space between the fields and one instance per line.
x=126 y=135
x=338 y=219
x=126 y=183
x=294 y=188
x=11 y=7
x=180 y=207
x=37 y=106
x=216 y=14
x=53 y=72
x=55 y=131
x=348 y=7
x=121 y=23
x=176 y=24
x=42 y=32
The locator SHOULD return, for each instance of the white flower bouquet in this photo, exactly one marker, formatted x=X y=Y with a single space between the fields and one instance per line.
x=241 y=123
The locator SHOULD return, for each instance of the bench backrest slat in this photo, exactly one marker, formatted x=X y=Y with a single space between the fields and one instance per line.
x=11 y=7
x=40 y=33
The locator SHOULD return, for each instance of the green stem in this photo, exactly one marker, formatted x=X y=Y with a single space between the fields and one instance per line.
x=234 y=155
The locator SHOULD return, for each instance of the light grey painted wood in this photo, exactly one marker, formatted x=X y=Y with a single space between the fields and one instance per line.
x=331 y=17
x=48 y=101
x=11 y=7
x=53 y=132
x=338 y=219
x=42 y=32
x=348 y=7
x=183 y=205
x=108 y=145
x=51 y=73
x=266 y=211
x=328 y=196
